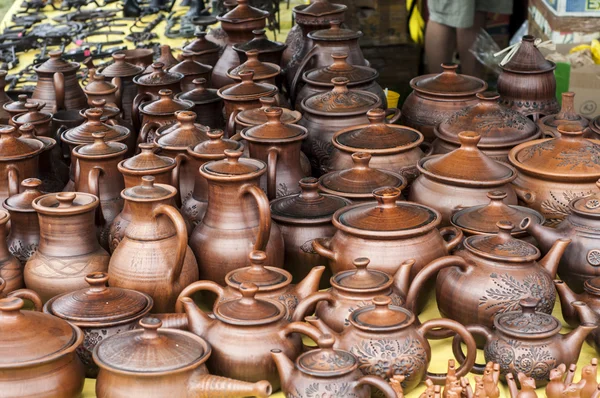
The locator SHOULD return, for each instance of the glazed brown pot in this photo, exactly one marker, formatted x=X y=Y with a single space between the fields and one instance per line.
x=100 y=312
x=269 y=51
x=99 y=89
x=11 y=270
x=566 y=115
x=237 y=218
x=153 y=257
x=57 y=84
x=208 y=106
x=203 y=50
x=436 y=97
x=68 y=249
x=38 y=354
x=191 y=70
x=156 y=362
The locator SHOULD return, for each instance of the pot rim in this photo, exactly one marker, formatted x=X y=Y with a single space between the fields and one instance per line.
x=445 y=96
x=172 y=192
x=46 y=119
x=159 y=133
x=124 y=136
x=330 y=85
x=131 y=172
x=232 y=178
x=273 y=141
x=411 y=318
x=273 y=92
x=377 y=104
x=341 y=10
x=258 y=78
x=178 y=80
x=379 y=151
x=379 y=290
x=262 y=289
x=67 y=211
x=190 y=104
x=466 y=183
x=106 y=156
x=484 y=146
x=197 y=103
x=517 y=234
x=305 y=221
x=530 y=72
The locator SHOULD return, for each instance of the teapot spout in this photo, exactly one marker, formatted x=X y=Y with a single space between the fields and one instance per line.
x=285 y=367
x=545 y=236
x=574 y=340
x=198 y=321
x=310 y=283
x=552 y=258
x=209 y=386
x=567 y=297
x=402 y=277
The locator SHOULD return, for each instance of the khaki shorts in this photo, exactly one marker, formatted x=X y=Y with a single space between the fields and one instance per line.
x=461 y=13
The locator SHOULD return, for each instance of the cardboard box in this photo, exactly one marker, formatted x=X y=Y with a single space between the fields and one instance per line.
x=576 y=8
x=543 y=23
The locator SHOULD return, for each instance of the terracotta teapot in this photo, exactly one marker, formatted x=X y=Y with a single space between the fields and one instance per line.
x=268 y=51
x=98 y=88
x=156 y=362
x=158 y=113
x=208 y=106
x=100 y=311
x=38 y=354
x=528 y=341
x=25 y=294
x=500 y=270
x=57 y=84
x=257 y=116
x=203 y=50
x=237 y=218
x=11 y=270
x=153 y=256
x=191 y=70
x=566 y=115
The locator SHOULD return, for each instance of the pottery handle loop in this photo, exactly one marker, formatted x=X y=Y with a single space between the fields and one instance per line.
x=179 y=224
x=59 y=89
x=135 y=110
x=146 y=130
x=452 y=243
x=112 y=122
x=94 y=186
x=199 y=286
x=309 y=55
x=180 y=160
x=466 y=363
x=13 y=180
x=30 y=295
x=264 y=213
x=236 y=137
x=303 y=328
x=378 y=383
x=230 y=128
x=458 y=339
x=272 y=173
x=394 y=112
x=322 y=247
x=307 y=306
x=59 y=133
x=525 y=195
x=119 y=93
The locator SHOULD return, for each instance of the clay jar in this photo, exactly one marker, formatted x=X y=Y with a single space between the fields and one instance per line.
x=101 y=312
x=99 y=89
x=566 y=115
x=436 y=97
x=461 y=178
x=11 y=270
x=153 y=256
x=278 y=145
x=158 y=113
x=57 y=84
x=208 y=106
x=191 y=70
x=38 y=354
x=41 y=121
x=203 y=50
x=268 y=51
x=237 y=218
x=68 y=249
x=264 y=72
x=301 y=218
x=257 y=116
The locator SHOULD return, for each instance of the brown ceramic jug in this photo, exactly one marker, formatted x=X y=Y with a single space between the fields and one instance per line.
x=99 y=88
x=68 y=249
x=11 y=270
x=153 y=256
x=237 y=218
x=191 y=70
x=159 y=112
x=203 y=50
x=208 y=106
x=268 y=51
x=566 y=115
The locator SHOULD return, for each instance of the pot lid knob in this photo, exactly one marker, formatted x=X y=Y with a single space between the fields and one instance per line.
x=148 y=182
x=252 y=56
x=273 y=115
x=27 y=130
x=449 y=68
x=31 y=183
x=11 y=304
x=361 y=264
x=361 y=160
x=32 y=106
x=340 y=62
x=309 y=189
x=65 y=199
x=185 y=117
x=248 y=291
x=93 y=115
x=570 y=130
x=165 y=93
x=259 y=34
x=257 y=261
x=150 y=326
x=55 y=54
x=158 y=67
x=6 y=131
x=326 y=341
x=488 y=96
x=505 y=228
x=22 y=98
x=247 y=76
x=334 y=24
x=99 y=103
x=215 y=135
x=340 y=84
x=376 y=116
x=98 y=282
x=232 y=155
x=146 y=147
x=469 y=139
x=200 y=83
x=528 y=304
x=496 y=196
x=267 y=102
x=387 y=196
x=382 y=302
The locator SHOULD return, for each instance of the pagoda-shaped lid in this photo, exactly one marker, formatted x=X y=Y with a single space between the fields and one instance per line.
x=166 y=104
x=387 y=217
x=335 y=33
x=148 y=191
x=214 y=148
x=360 y=180
x=56 y=63
x=33 y=115
x=528 y=59
x=307 y=207
x=256 y=116
x=14 y=148
x=189 y=67
x=483 y=219
x=200 y=95
x=83 y=133
x=182 y=134
x=31 y=336
x=340 y=68
x=21 y=202
x=121 y=68
x=340 y=100
x=18 y=106
x=158 y=77
x=201 y=44
x=382 y=316
x=448 y=83
x=100 y=147
x=567 y=157
x=99 y=304
x=262 y=70
x=244 y=12
x=264 y=277
x=247 y=89
x=260 y=43
x=320 y=8
x=502 y=246
x=325 y=361
x=467 y=164
x=151 y=349
x=233 y=167
x=498 y=125
x=98 y=84
x=567 y=113
x=361 y=279
x=65 y=203
x=377 y=137
x=274 y=130
x=592 y=286
x=249 y=310
x=588 y=205
x=527 y=322
x=147 y=160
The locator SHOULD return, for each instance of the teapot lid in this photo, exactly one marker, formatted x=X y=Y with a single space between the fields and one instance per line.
x=528 y=59
x=326 y=361
x=274 y=130
x=99 y=303
x=12 y=147
x=151 y=349
x=261 y=43
x=309 y=206
x=33 y=114
x=190 y=67
x=19 y=105
x=587 y=205
x=249 y=310
x=83 y=133
x=200 y=94
x=335 y=33
x=215 y=146
x=65 y=203
x=262 y=70
x=382 y=316
x=201 y=44
x=256 y=116
x=448 y=83
x=148 y=191
x=100 y=147
x=319 y=8
x=21 y=202
x=98 y=85
x=264 y=277
x=362 y=278
x=340 y=67
x=247 y=89
x=233 y=166
x=567 y=113
x=592 y=286
x=121 y=68
x=147 y=159
x=243 y=12
x=527 y=322
x=340 y=100
x=30 y=336
x=166 y=104
x=158 y=77
x=360 y=180
x=502 y=245
x=181 y=134
x=56 y=63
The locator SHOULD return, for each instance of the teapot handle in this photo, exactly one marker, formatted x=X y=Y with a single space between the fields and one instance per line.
x=145 y=130
x=306 y=307
x=59 y=89
x=179 y=224
x=457 y=349
x=322 y=247
x=180 y=160
x=264 y=212
x=379 y=383
x=309 y=55
x=452 y=243
x=230 y=128
x=272 y=173
x=392 y=111
x=119 y=93
x=466 y=363
x=199 y=286
x=135 y=110
x=524 y=194
x=30 y=295
x=94 y=186
x=303 y=328
x=13 y=180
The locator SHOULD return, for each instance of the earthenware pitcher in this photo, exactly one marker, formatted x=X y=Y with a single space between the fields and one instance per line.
x=11 y=270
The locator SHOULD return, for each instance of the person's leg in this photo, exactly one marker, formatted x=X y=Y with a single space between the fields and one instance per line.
x=440 y=43
x=465 y=38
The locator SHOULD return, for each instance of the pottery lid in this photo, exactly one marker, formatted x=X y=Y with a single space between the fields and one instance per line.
x=56 y=63
x=335 y=33
x=498 y=125
x=148 y=191
x=151 y=349
x=262 y=70
x=165 y=104
x=65 y=203
x=361 y=278
x=247 y=89
x=84 y=132
x=200 y=94
x=158 y=76
x=215 y=146
x=326 y=361
x=19 y=105
x=99 y=303
x=382 y=316
x=261 y=43
x=448 y=83
x=567 y=113
x=340 y=100
x=147 y=159
x=243 y=12
x=274 y=130
x=33 y=114
x=98 y=84
x=30 y=188
x=528 y=59
x=201 y=44
x=100 y=147
x=377 y=136
x=249 y=310
x=319 y=8
x=340 y=68
x=502 y=245
x=233 y=166
x=108 y=112
x=588 y=205
x=309 y=206
x=13 y=148
x=265 y=278
x=121 y=68
x=360 y=180
x=467 y=164
x=183 y=133
x=256 y=116
x=527 y=322
x=190 y=67
x=483 y=218
x=592 y=286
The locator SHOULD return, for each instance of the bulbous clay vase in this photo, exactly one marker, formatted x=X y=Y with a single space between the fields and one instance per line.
x=11 y=270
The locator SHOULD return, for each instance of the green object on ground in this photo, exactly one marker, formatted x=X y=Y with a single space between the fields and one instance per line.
x=562 y=74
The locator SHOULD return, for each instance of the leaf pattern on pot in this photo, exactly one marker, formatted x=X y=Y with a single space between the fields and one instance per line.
x=508 y=291
x=560 y=206
x=322 y=390
x=515 y=356
x=22 y=251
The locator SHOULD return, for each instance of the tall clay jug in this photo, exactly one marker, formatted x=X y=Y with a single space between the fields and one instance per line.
x=10 y=268
x=237 y=218
x=153 y=257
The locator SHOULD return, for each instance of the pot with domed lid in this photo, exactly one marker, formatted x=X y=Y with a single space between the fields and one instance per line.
x=208 y=106
x=269 y=51
x=191 y=70
x=14 y=108
x=203 y=50
x=264 y=72
x=158 y=113
x=567 y=115
x=98 y=88
x=42 y=121
x=257 y=116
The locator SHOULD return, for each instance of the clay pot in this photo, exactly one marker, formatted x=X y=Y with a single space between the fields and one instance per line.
x=57 y=84
x=191 y=70
x=593 y=130
x=203 y=50
x=5 y=99
x=566 y=115
x=257 y=116
x=41 y=121
x=138 y=56
x=461 y=178
x=437 y=97
x=100 y=312
x=237 y=218
x=208 y=106
x=100 y=89
x=111 y=115
x=527 y=83
x=264 y=72
x=501 y=128
x=301 y=218
x=38 y=354
x=529 y=342
x=68 y=249
x=11 y=270
x=17 y=107
x=25 y=294
x=268 y=51
x=156 y=362
x=153 y=256
x=158 y=113
x=393 y=148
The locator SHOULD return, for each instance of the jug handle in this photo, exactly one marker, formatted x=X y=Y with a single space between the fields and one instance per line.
x=59 y=133
x=13 y=180
x=146 y=129
x=59 y=89
x=302 y=328
x=118 y=94
x=524 y=194
x=272 y=173
x=135 y=109
x=452 y=243
x=466 y=362
x=264 y=213
x=457 y=349
x=198 y=286
x=94 y=185
x=394 y=112
x=30 y=295
x=379 y=383
x=230 y=129
x=175 y=179
x=309 y=304
x=179 y=225
x=309 y=55
x=321 y=246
